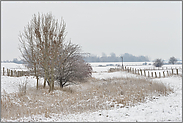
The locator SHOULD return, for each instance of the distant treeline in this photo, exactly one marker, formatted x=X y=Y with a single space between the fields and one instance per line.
x=113 y=58
x=93 y=58
x=15 y=60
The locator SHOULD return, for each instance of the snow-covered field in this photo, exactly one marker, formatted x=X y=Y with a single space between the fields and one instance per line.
x=101 y=69
x=165 y=108
x=13 y=66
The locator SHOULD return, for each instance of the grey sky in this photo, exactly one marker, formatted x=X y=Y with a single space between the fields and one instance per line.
x=150 y=28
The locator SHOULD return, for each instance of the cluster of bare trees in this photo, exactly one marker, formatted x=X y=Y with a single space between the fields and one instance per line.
x=160 y=62
x=44 y=49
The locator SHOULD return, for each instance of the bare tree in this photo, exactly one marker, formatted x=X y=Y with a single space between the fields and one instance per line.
x=28 y=49
x=172 y=60
x=44 y=48
x=158 y=63
x=40 y=44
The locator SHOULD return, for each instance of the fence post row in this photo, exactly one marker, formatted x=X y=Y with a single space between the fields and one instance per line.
x=139 y=71
x=13 y=73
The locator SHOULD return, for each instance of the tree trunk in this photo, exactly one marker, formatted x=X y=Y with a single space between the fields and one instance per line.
x=44 y=83
x=61 y=85
x=50 y=84
x=37 y=81
x=52 y=77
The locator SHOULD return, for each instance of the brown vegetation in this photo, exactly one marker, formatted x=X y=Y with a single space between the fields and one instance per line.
x=89 y=96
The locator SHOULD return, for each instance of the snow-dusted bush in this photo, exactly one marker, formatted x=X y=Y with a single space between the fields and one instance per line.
x=172 y=60
x=158 y=63
x=73 y=69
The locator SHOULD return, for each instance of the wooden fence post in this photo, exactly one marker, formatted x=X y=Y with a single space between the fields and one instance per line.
x=148 y=74
x=159 y=75
x=172 y=71
x=3 y=71
x=152 y=74
x=163 y=73
x=18 y=74
x=11 y=73
x=177 y=71
x=167 y=73
x=155 y=75
x=144 y=73
x=15 y=73
x=7 y=72
x=135 y=70
x=138 y=71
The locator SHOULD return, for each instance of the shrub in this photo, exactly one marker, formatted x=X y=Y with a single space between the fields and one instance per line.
x=172 y=60
x=158 y=63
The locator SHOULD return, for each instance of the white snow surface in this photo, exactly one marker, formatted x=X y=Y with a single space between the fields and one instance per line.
x=161 y=109
x=11 y=84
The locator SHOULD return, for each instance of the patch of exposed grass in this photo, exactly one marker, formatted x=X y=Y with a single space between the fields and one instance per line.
x=89 y=96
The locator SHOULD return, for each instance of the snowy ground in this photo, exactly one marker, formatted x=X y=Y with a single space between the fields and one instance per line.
x=160 y=109
x=11 y=84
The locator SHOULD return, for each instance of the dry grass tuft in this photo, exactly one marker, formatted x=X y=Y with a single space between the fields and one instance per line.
x=89 y=96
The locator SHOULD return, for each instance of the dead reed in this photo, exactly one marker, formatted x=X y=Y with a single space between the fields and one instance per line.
x=89 y=96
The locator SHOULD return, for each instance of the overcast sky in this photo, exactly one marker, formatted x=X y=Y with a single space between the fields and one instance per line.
x=150 y=28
